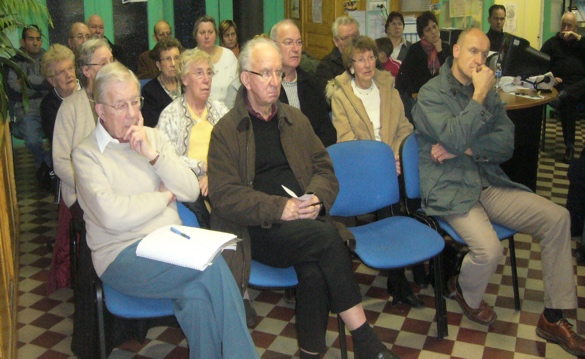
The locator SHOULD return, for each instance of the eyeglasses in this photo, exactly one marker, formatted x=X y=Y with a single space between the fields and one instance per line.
x=103 y=63
x=82 y=36
x=64 y=71
x=199 y=74
x=363 y=60
x=289 y=43
x=267 y=74
x=123 y=107
x=171 y=58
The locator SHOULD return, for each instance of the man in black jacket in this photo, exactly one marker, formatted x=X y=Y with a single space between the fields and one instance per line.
x=299 y=88
x=344 y=28
x=567 y=62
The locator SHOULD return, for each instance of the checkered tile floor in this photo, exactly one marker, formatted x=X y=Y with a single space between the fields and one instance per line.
x=45 y=322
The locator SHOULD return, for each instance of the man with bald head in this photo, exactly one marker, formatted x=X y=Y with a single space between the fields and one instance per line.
x=299 y=88
x=97 y=29
x=464 y=136
x=567 y=62
x=147 y=68
x=78 y=34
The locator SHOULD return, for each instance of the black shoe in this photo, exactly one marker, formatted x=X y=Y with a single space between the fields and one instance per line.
x=580 y=255
x=387 y=354
x=411 y=300
x=569 y=154
x=290 y=295
x=250 y=313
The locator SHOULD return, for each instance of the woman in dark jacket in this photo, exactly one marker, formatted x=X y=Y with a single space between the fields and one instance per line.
x=423 y=60
x=159 y=92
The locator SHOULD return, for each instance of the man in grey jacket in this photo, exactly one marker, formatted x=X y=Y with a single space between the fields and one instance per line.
x=464 y=136
x=28 y=120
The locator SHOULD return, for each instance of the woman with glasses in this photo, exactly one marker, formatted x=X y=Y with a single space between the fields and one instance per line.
x=225 y=63
x=188 y=120
x=367 y=107
x=77 y=118
x=58 y=67
x=228 y=36
x=423 y=60
x=159 y=92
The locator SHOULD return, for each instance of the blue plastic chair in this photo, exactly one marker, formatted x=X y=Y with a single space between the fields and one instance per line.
x=411 y=183
x=368 y=182
x=144 y=82
x=130 y=307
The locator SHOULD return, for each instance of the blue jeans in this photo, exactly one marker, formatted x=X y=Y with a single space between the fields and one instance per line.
x=207 y=304
x=30 y=129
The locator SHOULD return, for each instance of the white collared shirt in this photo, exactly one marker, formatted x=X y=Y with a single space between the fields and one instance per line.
x=102 y=136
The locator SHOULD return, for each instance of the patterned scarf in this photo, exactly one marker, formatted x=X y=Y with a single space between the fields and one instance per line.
x=433 y=60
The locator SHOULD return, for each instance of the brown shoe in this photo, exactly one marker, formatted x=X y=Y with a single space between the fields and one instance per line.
x=562 y=334
x=483 y=315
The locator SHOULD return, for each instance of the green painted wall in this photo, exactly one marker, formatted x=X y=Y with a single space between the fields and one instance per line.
x=273 y=13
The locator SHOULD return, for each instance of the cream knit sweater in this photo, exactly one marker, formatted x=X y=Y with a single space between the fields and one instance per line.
x=118 y=191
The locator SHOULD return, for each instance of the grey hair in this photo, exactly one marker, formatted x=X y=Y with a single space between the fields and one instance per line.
x=84 y=55
x=246 y=53
x=274 y=30
x=111 y=73
x=343 y=20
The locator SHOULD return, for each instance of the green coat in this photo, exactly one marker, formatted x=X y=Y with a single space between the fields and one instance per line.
x=445 y=113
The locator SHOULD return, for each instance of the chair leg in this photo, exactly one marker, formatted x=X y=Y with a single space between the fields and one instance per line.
x=99 y=297
x=440 y=304
x=514 y=273
x=73 y=241
x=342 y=339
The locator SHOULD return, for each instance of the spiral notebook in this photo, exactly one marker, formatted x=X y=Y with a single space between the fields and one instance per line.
x=185 y=246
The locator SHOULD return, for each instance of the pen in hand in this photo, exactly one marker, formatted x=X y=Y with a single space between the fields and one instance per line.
x=315 y=204
x=176 y=231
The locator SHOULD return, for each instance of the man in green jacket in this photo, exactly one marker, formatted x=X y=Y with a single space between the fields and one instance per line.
x=464 y=136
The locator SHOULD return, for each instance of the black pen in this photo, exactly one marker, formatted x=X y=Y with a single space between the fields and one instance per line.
x=176 y=231
x=315 y=204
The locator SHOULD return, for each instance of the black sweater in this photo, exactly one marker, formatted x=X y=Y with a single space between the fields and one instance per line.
x=414 y=72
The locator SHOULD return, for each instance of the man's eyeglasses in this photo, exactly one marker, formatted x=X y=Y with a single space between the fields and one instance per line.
x=289 y=43
x=267 y=75
x=82 y=36
x=122 y=108
x=103 y=63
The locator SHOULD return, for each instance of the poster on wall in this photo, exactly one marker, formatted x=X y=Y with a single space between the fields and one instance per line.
x=295 y=12
x=511 y=17
x=459 y=8
x=317 y=11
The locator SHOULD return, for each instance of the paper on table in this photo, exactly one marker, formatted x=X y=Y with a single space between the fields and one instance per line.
x=303 y=198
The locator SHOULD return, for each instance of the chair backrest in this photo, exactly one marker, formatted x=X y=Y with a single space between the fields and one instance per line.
x=143 y=82
x=409 y=164
x=187 y=217
x=366 y=171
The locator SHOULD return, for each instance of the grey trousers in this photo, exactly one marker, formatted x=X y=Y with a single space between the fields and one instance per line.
x=527 y=213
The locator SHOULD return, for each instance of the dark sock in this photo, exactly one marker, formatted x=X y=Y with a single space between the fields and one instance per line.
x=368 y=345
x=305 y=355
x=553 y=315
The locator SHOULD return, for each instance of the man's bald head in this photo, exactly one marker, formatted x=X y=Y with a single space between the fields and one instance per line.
x=96 y=26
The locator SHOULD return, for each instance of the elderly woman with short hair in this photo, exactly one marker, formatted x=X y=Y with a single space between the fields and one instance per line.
x=58 y=67
x=225 y=63
x=129 y=181
x=187 y=121
x=159 y=92
x=367 y=107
